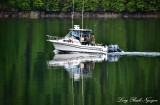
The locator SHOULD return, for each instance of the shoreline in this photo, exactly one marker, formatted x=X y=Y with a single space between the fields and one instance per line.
x=38 y=14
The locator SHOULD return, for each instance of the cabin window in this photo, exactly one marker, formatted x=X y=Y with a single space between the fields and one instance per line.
x=86 y=33
x=75 y=33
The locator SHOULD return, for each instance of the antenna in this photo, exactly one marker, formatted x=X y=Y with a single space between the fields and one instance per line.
x=82 y=13
x=72 y=14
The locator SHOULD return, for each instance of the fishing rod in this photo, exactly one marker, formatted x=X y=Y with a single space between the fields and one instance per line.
x=97 y=23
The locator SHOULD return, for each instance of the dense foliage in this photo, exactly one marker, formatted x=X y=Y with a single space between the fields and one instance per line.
x=89 y=5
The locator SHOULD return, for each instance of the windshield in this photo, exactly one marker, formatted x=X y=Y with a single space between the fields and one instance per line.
x=77 y=34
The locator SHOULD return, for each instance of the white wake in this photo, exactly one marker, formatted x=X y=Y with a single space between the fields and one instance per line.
x=149 y=54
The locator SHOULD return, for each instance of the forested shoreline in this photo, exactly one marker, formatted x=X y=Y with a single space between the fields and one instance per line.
x=92 y=8
x=77 y=15
x=89 y=5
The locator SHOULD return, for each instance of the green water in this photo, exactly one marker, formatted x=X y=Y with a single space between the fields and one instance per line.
x=26 y=79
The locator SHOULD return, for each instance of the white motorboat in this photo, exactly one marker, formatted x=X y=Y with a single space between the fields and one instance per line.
x=75 y=41
x=80 y=40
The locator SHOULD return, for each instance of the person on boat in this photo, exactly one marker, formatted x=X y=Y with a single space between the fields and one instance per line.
x=92 y=40
x=81 y=39
x=86 y=39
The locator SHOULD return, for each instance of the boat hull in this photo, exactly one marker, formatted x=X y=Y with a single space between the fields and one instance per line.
x=71 y=47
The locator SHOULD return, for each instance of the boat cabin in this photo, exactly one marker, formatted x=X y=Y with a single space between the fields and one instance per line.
x=78 y=33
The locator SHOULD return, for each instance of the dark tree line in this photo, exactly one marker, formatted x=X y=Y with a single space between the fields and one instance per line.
x=89 y=5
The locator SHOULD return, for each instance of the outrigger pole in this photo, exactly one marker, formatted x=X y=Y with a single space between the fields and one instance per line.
x=82 y=13
x=72 y=14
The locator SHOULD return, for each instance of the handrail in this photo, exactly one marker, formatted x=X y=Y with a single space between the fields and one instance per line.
x=53 y=37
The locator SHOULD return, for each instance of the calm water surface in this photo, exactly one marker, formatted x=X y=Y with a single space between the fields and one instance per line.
x=30 y=73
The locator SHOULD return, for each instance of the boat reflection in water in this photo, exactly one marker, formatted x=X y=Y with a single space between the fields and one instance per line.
x=80 y=64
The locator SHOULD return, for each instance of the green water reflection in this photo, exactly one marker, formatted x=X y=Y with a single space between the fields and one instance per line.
x=26 y=79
